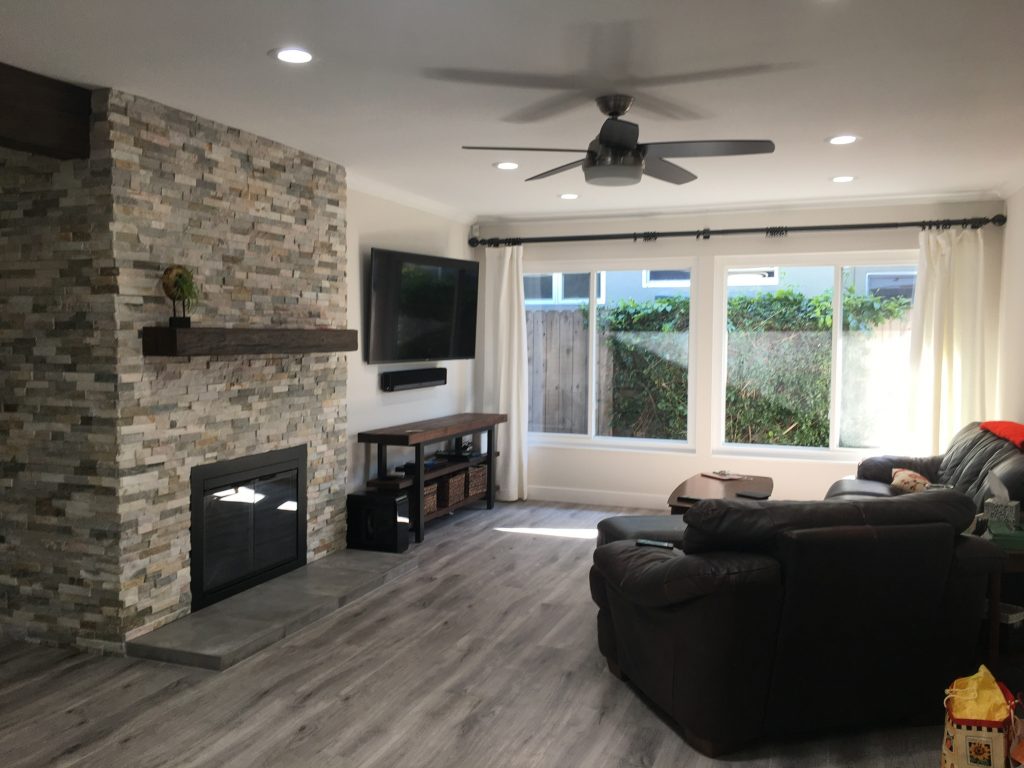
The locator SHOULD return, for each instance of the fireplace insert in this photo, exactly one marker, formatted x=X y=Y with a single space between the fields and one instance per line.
x=248 y=522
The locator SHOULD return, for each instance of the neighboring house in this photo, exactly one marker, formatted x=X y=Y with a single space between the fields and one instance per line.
x=566 y=290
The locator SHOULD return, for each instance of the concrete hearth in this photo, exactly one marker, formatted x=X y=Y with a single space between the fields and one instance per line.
x=224 y=634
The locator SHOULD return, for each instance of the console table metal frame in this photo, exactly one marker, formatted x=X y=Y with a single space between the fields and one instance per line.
x=417 y=435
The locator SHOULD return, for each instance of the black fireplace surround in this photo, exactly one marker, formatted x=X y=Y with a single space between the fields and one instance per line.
x=248 y=522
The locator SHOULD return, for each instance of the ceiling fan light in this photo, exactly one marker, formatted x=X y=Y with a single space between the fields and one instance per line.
x=613 y=175
x=612 y=169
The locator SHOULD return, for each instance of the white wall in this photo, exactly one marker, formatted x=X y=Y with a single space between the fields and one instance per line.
x=1011 y=321
x=376 y=222
x=646 y=476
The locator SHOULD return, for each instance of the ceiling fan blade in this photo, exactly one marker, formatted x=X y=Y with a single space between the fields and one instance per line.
x=666 y=171
x=707 y=148
x=664 y=108
x=554 y=105
x=492 y=77
x=619 y=134
x=559 y=169
x=720 y=73
x=525 y=149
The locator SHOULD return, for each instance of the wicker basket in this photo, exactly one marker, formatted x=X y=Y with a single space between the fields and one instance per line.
x=477 y=482
x=429 y=499
x=451 y=489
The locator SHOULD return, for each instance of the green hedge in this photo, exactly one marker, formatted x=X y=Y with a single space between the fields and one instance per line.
x=779 y=364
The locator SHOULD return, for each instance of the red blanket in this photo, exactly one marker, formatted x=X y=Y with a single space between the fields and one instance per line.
x=1008 y=430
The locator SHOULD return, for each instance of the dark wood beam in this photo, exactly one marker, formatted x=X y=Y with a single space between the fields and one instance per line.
x=185 y=342
x=42 y=115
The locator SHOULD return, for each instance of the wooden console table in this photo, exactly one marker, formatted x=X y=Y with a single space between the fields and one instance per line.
x=418 y=435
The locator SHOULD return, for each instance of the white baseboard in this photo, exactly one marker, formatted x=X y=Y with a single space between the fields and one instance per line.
x=597 y=496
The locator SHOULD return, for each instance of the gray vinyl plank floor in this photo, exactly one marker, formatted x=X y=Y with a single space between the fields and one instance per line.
x=485 y=655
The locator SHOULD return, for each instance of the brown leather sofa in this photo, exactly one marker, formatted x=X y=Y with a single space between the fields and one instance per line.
x=977 y=463
x=771 y=619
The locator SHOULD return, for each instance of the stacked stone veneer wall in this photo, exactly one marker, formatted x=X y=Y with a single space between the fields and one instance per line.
x=262 y=227
x=59 y=524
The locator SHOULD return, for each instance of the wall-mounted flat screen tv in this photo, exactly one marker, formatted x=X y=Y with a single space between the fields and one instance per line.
x=420 y=308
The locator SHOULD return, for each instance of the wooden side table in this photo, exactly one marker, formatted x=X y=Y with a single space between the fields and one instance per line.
x=701 y=487
x=1014 y=564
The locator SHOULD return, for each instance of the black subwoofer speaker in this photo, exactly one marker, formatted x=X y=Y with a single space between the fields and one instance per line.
x=378 y=521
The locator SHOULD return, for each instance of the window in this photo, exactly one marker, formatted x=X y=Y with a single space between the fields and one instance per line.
x=666 y=278
x=561 y=288
x=617 y=369
x=874 y=372
x=890 y=284
x=791 y=379
x=643 y=360
x=680 y=278
x=755 y=276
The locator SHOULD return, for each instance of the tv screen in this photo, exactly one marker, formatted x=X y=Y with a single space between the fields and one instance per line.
x=421 y=308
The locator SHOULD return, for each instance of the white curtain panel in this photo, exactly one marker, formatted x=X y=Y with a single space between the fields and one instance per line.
x=506 y=376
x=953 y=338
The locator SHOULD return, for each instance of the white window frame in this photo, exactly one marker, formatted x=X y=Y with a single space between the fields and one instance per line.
x=592 y=440
x=557 y=298
x=836 y=260
x=751 y=278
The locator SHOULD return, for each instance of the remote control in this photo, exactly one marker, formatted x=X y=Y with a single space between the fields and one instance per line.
x=654 y=543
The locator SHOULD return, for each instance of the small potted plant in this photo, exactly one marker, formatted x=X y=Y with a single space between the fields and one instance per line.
x=180 y=286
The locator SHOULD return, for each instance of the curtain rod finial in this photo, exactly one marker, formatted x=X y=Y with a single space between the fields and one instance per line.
x=999 y=219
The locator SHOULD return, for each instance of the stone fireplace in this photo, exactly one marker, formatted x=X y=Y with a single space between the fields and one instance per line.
x=101 y=442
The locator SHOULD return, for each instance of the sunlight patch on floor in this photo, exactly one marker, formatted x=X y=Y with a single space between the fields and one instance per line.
x=565 y=533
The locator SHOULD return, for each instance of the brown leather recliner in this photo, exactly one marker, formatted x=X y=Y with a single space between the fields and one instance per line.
x=782 y=618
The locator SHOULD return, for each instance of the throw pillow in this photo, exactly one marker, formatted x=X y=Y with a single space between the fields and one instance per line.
x=909 y=480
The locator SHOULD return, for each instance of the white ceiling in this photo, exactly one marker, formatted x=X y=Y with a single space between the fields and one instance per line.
x=934 y=87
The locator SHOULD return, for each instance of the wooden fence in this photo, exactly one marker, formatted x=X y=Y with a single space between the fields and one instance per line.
x=558 y=354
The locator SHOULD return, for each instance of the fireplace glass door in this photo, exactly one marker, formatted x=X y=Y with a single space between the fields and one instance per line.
x=250 y=527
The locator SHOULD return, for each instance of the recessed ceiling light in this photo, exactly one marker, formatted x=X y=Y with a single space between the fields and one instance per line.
x=292 y=55
x=506 y=165
x=843 y=179
x=568 y=196
x=846 y=138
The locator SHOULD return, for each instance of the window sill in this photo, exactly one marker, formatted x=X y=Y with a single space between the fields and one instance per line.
x=795 y=453
x=601 y=443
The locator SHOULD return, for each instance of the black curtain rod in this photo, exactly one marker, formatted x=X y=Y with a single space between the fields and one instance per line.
x=705 y=234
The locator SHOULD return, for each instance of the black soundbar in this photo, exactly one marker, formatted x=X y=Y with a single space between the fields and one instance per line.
x=393 y=381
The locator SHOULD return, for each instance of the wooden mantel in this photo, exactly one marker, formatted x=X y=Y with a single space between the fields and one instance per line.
x=163 y=341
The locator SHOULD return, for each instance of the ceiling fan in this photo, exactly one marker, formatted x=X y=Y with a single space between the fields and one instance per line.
x=616 y=158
